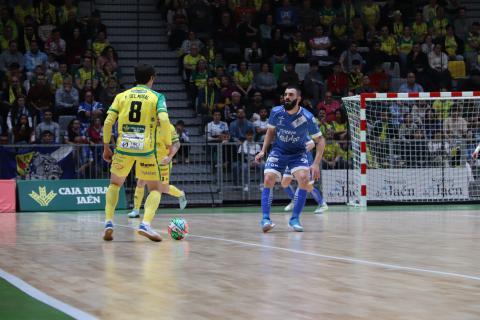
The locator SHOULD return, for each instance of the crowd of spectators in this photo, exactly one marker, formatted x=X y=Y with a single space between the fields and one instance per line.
x=58 y=73
x=238 y=56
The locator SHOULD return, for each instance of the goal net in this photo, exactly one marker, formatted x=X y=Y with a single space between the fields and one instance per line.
x=414 y=147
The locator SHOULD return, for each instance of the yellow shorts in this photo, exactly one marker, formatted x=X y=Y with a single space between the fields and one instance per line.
x=165 y=173
x=146 y=168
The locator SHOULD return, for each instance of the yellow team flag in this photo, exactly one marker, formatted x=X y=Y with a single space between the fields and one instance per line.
x=23 y=162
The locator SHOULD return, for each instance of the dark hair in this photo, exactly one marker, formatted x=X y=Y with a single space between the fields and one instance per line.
x=249 y=131
x=297 y=89
x=180 y=122
x=143 y=73
x=216 y=111
x=44 y=132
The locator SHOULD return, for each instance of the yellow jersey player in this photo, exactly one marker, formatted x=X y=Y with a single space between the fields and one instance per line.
x=137 y=111
x=165 y=153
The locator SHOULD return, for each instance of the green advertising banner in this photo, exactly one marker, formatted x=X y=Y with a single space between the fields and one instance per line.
x=65 y=195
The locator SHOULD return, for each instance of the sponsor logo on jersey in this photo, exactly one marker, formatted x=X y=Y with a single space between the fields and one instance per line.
x=299 y=121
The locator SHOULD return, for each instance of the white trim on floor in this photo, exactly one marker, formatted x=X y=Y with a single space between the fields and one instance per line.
x=43 y=297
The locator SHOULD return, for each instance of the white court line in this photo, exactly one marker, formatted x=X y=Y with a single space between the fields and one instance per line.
x=344 y=259
x=45 y=298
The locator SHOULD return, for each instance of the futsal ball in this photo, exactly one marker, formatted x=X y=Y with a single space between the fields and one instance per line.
x=178 y=228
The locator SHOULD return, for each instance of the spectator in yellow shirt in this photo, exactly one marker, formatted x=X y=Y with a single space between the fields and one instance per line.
x=370 y=13
x=243 y=79
x=190 y=61
x=419 y=28
x=440 y=23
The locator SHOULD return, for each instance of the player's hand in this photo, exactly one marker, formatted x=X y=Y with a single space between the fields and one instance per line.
x=315 y=172
x=259 y=157
x=165 y=160
x=310 y=145
x=475 y=155
x=107 y=154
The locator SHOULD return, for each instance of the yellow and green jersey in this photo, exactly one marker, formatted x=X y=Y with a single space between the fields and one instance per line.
x=419 y=31
x=136 y=110
x=162 y=145
x=85 y=75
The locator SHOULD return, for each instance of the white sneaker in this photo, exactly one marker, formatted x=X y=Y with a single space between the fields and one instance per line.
x=134 y=214
x=321 y=208
x=182 y=201
x=147 y=231
x=289 y=207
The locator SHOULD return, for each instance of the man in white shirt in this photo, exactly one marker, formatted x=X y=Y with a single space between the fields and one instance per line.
x=261 y=124
x=217 y=131
x=246 y=160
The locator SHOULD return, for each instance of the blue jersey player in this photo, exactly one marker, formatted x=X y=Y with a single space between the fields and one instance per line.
x=290 y=128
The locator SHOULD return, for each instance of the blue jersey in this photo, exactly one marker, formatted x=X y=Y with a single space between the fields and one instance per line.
x=292 y=131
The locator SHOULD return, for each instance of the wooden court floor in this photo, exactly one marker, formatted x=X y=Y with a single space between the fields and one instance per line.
x=383 y=263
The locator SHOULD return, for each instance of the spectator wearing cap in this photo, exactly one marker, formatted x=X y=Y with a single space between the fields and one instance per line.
x=397 y=24
x=347 y=57
x=66 y=99
x=11 y=56
x=48 y=125
x=330 y=106
x=231 y=109
x=33 y=58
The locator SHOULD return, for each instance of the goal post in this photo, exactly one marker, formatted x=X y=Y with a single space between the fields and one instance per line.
x=413 y=147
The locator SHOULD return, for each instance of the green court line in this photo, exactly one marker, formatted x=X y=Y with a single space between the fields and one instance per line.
x=17 y=305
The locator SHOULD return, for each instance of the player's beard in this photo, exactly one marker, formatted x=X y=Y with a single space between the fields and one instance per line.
x=290 y=105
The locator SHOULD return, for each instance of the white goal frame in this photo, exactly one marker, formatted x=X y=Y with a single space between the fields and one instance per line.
x=362 y=100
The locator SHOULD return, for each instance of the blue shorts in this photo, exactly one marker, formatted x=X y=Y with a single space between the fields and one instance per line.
x=277 y=162
x=288 y=174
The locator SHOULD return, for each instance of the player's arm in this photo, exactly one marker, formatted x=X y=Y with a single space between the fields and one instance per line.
x=164 y=120
x=107 y=130
x=316 y=136
x=266 y=143
x=475 y=153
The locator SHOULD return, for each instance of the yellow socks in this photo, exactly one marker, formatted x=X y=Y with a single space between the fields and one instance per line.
x=138 y=198
x=111 y=199
x=175 y=192
x=151 y=206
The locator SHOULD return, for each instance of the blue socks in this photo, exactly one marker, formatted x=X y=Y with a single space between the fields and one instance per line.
x=267 y=197
x=317 y=195
x=289 y=191
x=299 y=203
